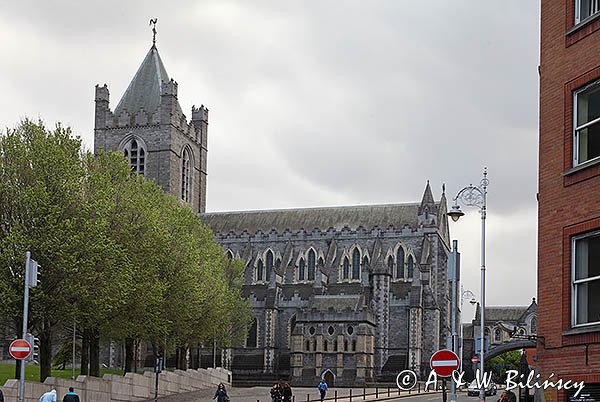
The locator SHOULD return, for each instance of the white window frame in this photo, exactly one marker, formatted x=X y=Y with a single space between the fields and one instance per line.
x=574 y=282
x=578 y=18
x=576 y=128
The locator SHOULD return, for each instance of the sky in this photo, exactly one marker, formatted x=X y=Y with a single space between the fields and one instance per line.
x=318 y=102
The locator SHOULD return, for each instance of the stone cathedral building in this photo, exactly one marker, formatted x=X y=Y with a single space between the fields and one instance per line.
x=351 y=294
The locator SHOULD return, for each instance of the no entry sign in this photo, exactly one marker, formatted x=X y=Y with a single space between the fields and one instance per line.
x=19 y=349
x=444 y=362
x=475 y=359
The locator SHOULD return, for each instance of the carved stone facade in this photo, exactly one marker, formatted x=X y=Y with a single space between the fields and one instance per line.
x=358 y=292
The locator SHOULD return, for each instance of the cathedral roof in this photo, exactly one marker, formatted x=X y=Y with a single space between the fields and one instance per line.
x=367 y=216
x=144 y=90
x=337 y=302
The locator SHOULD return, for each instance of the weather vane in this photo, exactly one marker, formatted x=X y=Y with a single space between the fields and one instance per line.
x=153 y=23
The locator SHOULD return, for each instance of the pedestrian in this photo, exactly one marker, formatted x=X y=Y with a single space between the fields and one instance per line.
x=275 y=393
x=286 y=392
x=221 y=394
x=322 y=389
x=508 y=396
x=49 y=396
x=71 y=396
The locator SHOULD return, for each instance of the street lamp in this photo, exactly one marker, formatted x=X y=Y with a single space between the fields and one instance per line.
x=470 y=294
x=476 y=197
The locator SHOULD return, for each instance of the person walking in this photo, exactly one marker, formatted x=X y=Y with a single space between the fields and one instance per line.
x=71 y=396
x=49 y=396
x=286 y=392
x=322 y=389
x=221 y=394
x=275 y=393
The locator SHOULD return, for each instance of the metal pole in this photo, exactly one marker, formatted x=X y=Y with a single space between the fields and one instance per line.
x=214 y=353
x=454 y=307
x=481 y=352
x=462 y=344
x=24 y=332
x=73 y=361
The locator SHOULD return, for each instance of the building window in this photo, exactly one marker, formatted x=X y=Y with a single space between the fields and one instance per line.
x=229 y=255
x=325 y=345
x=301 y=269
x=587 y=123
x=356 y=264
x=409 y=267
x=311 y=265
x=534 y=325
x=586 y=279
x=585 y=9
x=346 y=268
x=259 y=271
x=308 y=346
x=186 y=176
x=269 y=264
x=251 y=341
x=391 y=265
x=400 y=263
x=136 y=156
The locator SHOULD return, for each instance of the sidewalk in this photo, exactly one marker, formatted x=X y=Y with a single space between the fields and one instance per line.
x=261 y=394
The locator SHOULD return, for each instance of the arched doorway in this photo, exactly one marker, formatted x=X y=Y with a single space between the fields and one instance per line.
x=329 y=377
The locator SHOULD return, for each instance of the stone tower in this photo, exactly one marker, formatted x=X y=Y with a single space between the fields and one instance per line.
x=152 y=132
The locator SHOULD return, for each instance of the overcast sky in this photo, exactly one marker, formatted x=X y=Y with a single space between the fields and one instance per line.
x=317 y=103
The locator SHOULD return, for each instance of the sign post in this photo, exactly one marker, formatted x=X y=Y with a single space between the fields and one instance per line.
x=444 y=362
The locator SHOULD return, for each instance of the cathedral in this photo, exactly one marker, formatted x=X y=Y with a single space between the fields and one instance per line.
x=350 y=294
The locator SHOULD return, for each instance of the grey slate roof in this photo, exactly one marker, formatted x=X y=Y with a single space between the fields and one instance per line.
x=367 y=216
x=145 y=88
x=501 y=313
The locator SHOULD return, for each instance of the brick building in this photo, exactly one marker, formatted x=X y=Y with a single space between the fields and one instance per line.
x=569 y=194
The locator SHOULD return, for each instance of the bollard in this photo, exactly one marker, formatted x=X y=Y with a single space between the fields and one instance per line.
x=388 y=391
x=419 y=386
x=335 y=395
x=293 y=398
x=350 y=394
x=376 y=393
x=364 y=393
x=307 y=397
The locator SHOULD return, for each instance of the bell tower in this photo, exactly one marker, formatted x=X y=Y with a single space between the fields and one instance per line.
x=150 y=129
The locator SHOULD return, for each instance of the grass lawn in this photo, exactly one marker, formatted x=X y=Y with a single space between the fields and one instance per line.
x=32 y=372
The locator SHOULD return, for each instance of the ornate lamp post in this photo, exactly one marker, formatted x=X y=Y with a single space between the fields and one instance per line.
x=473 y=196
x=472 y=300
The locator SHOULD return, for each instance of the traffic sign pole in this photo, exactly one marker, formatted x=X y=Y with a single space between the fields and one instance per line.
x=24 y=333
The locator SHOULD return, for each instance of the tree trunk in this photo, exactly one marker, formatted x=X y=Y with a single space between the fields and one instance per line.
x=85 y=352
x=95 y=353
x=182 y=358
x=128 y=355
x=45 y=352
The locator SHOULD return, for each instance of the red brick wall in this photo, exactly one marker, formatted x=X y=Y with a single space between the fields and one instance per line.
x=569 y=204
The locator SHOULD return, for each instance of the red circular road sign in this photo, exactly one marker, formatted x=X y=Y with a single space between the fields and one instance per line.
x=19 y=349
x=444 y=362
x=475 y=359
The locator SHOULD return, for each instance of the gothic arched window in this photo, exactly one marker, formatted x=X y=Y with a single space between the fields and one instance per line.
x=356 y=264
x=400 y=263
x=301 y=268
x=311 y=265
x=259 y=271
x=229 y=255
x=409 y=267
x=534 y=325
x=390 y=263
x=269 y=264
x=186 y=175
x=136 y=156
x=346 y=268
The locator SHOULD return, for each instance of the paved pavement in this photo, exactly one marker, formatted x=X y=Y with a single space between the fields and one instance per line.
x=261 y=394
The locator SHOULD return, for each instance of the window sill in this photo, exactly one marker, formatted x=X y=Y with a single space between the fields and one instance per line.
x=583 y=23
x=582 y=330
x=582 y=166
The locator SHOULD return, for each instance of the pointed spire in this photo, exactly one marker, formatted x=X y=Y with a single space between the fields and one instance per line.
x=146 y=86
x=427 y=200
